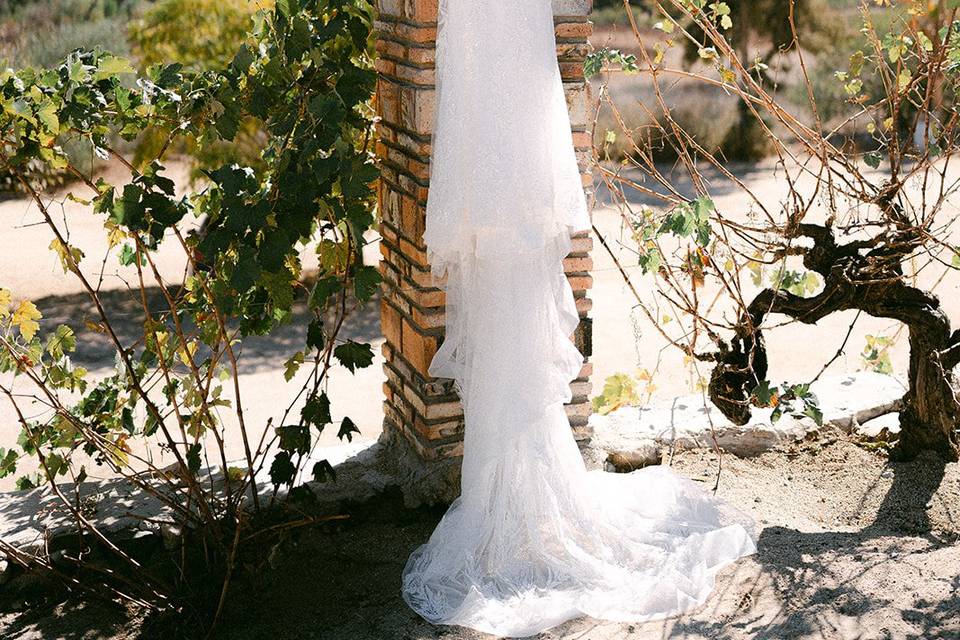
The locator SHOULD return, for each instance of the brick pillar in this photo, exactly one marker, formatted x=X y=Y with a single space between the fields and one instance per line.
x=423 y=420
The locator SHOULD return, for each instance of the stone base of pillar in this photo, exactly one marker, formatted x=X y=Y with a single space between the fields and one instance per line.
x=423 y=482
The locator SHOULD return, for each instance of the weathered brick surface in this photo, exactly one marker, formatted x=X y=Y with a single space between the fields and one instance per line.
x=425 y=410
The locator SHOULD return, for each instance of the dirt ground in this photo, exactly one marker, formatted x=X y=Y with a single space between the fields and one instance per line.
x=850 y=548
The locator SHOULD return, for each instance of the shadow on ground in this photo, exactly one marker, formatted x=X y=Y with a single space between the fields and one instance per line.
x=125 y=310
x=649 y=192
x=885 y=566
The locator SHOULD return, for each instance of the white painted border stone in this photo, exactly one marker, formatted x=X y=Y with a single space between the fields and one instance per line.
x=685 y=422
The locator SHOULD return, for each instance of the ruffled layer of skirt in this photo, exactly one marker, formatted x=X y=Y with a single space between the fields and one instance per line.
x=536 y=539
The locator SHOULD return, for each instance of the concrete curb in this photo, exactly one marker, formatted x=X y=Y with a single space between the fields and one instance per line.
x=685 y=422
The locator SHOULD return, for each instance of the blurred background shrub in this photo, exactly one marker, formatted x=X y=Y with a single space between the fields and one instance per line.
x=202 y=35
x=40 y=33
x=199 y=34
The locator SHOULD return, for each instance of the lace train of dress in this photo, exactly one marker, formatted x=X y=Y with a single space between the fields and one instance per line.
x=534 y=538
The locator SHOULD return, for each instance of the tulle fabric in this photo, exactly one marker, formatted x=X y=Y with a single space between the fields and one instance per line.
x=534 y=538
x=504 y=178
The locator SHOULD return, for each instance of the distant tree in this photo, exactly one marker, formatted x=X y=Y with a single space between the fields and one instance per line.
x=758 y=31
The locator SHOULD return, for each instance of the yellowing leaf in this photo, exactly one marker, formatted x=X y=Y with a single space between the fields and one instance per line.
x=666 y=26
x=118 y=451
x=856 y=63
x=292 y=365
x=186 y=354
x=160 y=340
x=334 y=256
x=116 y=235
x=94 y=326
x=903 y=80
x=4 y=303
x=75 y=198
x=618 y=390
x=47 y=114
x=110 y=66
x=658 y=53
x=69 y=256
x=26 y=319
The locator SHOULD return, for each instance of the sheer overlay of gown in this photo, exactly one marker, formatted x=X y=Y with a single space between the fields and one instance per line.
x=534 y=538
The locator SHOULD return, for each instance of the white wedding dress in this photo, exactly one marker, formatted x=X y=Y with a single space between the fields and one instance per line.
x=534 y=538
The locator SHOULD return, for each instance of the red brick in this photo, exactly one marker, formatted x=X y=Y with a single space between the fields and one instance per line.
x=580 y=410
x=391 y=49
x=411 y=219
x=419 y=170
x=582 y=244
x=429 y=318
x=422 y=56
x=417 y=34
x=386 y=66
x=586 y=371
x=574 y=30
x=581 y=282
x=568 y=70
x=582 y=140
x=390 y=324
x=418 y=349
x=426 y=298
x=424 y=77
x=584 y=305
x=388 y=101
x=578 y=265
x=421 y=10
x=414 y=253
x=388 y=234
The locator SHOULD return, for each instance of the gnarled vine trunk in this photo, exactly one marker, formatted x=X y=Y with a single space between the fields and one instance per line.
x=864 y=275
x=930 y=417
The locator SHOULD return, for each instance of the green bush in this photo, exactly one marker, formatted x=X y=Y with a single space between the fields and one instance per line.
x=691 y=102
x=42 y=33
x=307 y=78
x=47 y=47
x=612 y=14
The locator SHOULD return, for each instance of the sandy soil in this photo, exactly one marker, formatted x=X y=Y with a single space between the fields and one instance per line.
x=850 y=548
